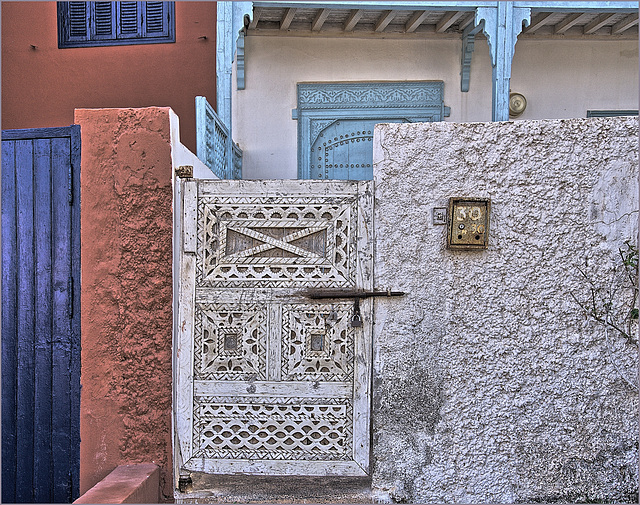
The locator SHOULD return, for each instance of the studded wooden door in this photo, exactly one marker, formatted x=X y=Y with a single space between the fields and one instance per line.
x=344 y=150
x=268 y=381
x=336 y=122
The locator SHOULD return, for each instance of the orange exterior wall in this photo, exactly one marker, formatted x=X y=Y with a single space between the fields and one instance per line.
x=126 y=232
x=42 y=85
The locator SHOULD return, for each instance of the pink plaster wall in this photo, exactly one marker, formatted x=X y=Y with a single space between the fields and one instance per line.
x=42 y=85
x=126 y=197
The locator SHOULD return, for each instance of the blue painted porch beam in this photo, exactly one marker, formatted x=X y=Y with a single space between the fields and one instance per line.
x=229 y=22
x=547 y=6
x=502 y=25
x=620 y=7
x=224 y=61
x=400 y=5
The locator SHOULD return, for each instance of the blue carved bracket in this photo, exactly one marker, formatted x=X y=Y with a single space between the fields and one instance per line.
x=468 y=42
x=502 y=25
x=240 y=61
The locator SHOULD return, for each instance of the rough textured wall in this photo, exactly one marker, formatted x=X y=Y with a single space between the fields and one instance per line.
x=126 y=291
x=490 y=385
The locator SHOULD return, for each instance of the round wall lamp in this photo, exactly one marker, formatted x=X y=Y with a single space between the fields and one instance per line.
x=517 y=104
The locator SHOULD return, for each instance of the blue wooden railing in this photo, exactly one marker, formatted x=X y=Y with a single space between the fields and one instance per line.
x=214 y=146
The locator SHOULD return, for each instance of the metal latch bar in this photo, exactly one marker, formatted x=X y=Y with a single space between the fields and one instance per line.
x=323 y=294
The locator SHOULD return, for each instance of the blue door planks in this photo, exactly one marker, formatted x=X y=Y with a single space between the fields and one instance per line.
x=40 y=315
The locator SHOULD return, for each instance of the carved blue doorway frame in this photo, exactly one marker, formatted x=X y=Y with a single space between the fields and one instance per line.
x=335 y=122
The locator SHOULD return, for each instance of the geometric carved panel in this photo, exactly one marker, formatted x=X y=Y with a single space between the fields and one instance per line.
x=269 y=381
x=276 y=429
x=317 y=342
x=230 y=342
x=284 y=242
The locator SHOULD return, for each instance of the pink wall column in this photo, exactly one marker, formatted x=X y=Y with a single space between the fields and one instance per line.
x=125 y=413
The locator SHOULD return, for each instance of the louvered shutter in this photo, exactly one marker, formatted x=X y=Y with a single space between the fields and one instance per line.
x=156 y=19
x=129 y=20
x=77 y=21
x=103 y=26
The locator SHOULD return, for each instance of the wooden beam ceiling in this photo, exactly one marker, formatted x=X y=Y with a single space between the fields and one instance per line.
x=384 y=20
x=256 y=17
x=353 y=19
x=431 y=21
x=415 y=21
x=569 y=22
x=597 y=23
x=538 y=21
x=286 y=20
x=319 y=20
x=447 y=20
x=625 y=24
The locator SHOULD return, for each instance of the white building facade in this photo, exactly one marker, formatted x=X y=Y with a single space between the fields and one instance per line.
x=565 y=59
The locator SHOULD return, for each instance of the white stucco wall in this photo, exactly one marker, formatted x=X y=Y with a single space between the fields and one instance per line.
x=564 y=79
x=490 y=385
x=560 y=79
x=180 y=155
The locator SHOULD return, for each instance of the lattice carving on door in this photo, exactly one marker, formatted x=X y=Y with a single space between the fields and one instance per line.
x=270 y=382
x=274 y=429
x=276 y=242
x=230 y=342
x=317 y=342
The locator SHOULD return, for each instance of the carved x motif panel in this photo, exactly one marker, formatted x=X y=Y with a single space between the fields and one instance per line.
x=255 y=243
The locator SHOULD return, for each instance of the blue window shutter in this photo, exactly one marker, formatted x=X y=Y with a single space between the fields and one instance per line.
x=156 y=19
x=73 y=23
x=87 y=24
x=129 y=20
x=78 y=20
x=103 y=26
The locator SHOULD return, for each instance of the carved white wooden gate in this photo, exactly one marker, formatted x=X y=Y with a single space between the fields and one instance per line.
x=268 y=381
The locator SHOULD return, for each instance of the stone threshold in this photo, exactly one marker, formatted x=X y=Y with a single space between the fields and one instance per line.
x=126 y=484
x=205 y=488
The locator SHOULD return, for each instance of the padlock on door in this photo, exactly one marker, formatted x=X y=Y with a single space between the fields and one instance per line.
x=356 y=321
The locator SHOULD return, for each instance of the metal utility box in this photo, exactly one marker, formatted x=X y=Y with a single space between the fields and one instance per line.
x=468 y=226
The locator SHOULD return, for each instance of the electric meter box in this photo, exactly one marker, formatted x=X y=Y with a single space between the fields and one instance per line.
x=468 y=223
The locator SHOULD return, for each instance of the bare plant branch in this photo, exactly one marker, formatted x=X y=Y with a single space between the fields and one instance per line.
x=615 y=305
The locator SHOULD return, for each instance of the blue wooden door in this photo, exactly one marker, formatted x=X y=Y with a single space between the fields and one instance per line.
x=40 y=315
x=344 y=150
x=336 y=122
